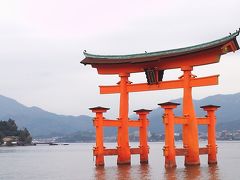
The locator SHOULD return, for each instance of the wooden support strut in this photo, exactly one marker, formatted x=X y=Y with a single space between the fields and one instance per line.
x=168 y=120
x=117 y=123
x=212 y=147
x=98 y=151
x=99 y=122
x=143 y=137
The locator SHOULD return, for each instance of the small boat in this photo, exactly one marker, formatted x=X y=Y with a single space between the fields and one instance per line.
x=53 y=144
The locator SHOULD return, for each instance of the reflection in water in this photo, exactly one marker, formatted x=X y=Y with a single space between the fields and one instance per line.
x=143 y=172
x=100 y=173
x=123 y=172
x=170 y=174
x=192 y=173
x=213 y=172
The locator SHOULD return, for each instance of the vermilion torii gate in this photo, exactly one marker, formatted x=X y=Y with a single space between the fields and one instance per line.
x=154 y=64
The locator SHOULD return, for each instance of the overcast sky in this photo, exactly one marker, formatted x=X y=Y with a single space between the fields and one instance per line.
x=41 y=45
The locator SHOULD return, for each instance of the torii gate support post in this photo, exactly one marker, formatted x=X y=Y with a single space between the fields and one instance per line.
x=143 y=137
x=168 y=120
x=98 y=151
x=190 y=130
x=124 y=155
x=212 y=154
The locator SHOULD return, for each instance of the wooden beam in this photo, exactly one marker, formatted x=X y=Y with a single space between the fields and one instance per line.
x=203 y=121
x=142 y=87
x=109 y=89
x=135 y=150
x=114 y=123
x=110 y=152
x=174 y=84
x=134 y=123
x=181 y=151
x=204 y=81
x=180 y=120
x=161 y=86
x=203 y=150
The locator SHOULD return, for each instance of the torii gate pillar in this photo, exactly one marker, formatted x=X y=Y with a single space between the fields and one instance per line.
x=143 y=137
x=124 y=155
x=168 y=120
x=212 y=155
x=190 y=130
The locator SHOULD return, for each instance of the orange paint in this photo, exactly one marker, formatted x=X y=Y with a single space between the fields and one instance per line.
x=190 y=130
x=174 y=84
x=212 y=155
x=123 y=139
x=168 y=120
x=98 y=122
x=143 y=135
x=157 y=62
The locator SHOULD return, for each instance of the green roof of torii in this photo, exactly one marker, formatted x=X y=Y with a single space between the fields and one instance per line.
x=95 y=59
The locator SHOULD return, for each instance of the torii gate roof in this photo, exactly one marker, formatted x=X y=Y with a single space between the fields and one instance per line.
x=156 y=56
x=202 y=54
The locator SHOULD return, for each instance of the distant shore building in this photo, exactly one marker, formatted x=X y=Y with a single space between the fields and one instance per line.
x=10 y=140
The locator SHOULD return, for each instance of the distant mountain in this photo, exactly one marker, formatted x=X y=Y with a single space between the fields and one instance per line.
x=228 y=116
x=230 y=126
x=42 y=123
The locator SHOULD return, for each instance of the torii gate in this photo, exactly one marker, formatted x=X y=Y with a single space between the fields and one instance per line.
x=154 y=64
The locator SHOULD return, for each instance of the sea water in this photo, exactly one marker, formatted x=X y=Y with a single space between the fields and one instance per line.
x=76 y=162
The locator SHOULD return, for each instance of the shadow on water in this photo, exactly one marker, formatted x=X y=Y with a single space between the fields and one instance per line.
x=192 y=173
x=123 y=172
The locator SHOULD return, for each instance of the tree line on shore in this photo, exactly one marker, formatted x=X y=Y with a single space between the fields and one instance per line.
x=9 y=132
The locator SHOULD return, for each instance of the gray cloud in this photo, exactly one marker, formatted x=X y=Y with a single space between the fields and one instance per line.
x=42 y=43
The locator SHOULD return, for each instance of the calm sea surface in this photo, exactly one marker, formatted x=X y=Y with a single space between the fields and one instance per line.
x=75 y=161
